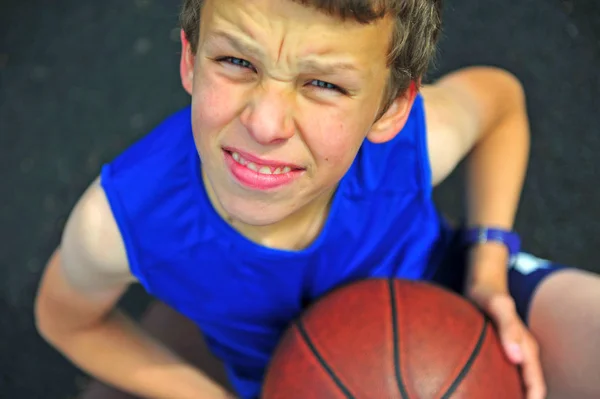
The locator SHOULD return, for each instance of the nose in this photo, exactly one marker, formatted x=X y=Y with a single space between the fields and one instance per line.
x=268 y=116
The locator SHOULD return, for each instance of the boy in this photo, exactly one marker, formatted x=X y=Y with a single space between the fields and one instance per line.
x=307 y=160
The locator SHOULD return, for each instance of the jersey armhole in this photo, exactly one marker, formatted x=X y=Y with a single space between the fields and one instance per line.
x=120 y=216
x=423 y=152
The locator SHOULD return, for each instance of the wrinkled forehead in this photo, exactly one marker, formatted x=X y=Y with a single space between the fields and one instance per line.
x=280 y=25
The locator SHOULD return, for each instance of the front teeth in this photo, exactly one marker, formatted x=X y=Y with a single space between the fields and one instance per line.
x=264 y=170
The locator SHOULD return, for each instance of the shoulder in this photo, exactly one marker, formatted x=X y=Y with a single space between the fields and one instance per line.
x=154 y=191
x=92 y=250
x=460 y=107
x=152 y=176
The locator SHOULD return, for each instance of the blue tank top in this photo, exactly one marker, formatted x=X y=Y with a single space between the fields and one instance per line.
x=382 y=223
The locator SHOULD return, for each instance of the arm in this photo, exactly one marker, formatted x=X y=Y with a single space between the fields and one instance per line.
x=480 y=112
x=75 y=312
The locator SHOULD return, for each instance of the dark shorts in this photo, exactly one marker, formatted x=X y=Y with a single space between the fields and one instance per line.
x=525 y=274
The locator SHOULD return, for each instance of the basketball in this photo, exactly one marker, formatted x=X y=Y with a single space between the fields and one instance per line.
x=380 y=338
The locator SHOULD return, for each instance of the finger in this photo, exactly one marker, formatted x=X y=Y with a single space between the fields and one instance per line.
x=511 y=336
x=509 y=326
x=531 y=370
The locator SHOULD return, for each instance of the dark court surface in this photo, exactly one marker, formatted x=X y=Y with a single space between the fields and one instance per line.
x=82 y=79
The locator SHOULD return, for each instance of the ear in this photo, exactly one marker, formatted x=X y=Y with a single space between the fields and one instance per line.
x=186 y=67
x=394 y=118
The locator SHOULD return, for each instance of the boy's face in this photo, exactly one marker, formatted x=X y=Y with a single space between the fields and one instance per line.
x=282 y=98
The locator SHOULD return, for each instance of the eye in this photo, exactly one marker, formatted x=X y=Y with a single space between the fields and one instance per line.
x=238 y=62
x=327 y=86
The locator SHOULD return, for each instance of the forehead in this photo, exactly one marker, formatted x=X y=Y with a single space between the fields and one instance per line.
x=279 y=26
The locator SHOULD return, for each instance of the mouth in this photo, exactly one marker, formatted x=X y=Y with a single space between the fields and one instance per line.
x=259 y=165
x=256 y=173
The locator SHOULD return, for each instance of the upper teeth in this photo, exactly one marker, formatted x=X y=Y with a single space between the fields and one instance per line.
x=262 y=169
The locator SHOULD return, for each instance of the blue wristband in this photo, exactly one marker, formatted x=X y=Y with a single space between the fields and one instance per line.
x=480 y=235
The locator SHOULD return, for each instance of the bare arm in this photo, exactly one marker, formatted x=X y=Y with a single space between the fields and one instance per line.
x=480 y=112
x=75 y=312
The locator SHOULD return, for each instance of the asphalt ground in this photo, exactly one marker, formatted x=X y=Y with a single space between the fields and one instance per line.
x=82 y=79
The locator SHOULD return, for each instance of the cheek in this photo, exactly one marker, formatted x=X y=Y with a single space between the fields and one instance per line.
x=335 y=141
x=212 y=104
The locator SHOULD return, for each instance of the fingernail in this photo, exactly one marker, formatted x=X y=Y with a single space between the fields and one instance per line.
x=515 y=352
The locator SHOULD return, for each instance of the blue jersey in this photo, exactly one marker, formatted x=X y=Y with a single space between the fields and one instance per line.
x=382 y=223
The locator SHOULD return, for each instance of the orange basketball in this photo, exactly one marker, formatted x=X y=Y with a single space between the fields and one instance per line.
x=380 y=338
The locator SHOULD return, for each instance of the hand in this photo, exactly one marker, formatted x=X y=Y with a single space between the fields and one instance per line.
x=519 y=345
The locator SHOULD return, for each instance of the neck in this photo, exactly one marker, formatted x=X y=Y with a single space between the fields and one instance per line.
x=295 y=232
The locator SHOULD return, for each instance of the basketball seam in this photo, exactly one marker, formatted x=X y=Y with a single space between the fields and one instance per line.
x=469 y=362
x=395 y=330
x=322 y=361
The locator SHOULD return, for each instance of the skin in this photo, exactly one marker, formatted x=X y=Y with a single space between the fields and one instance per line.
x=273 y=106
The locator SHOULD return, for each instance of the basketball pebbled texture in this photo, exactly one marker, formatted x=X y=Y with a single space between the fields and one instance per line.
x=391 y=338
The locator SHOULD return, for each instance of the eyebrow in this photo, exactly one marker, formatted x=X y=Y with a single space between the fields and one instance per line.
x=309 y=65
x=238 y=44
x=326 y=68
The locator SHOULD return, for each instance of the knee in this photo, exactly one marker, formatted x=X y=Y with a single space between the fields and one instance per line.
x=566 y=323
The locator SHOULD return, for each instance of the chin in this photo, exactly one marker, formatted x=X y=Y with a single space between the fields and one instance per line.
x=255 y=213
